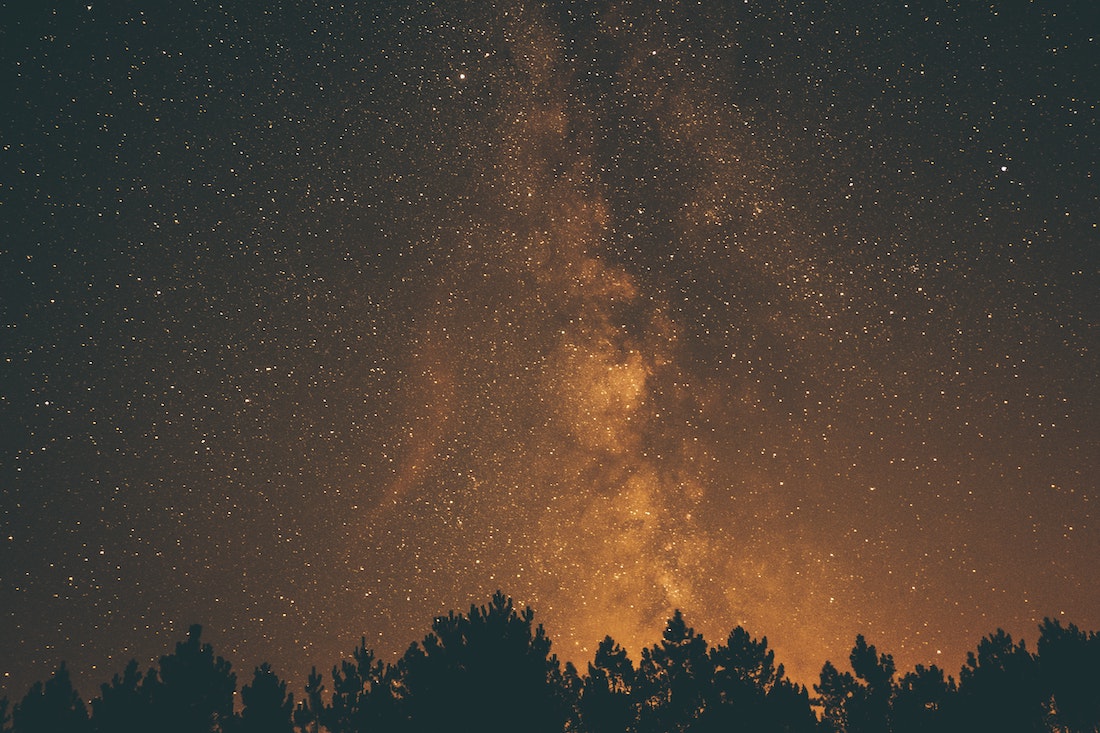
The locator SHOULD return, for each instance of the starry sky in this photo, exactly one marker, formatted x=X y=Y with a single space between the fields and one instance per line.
x=320 y=320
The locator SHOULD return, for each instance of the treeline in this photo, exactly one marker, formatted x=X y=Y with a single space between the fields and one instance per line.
x=491 y=670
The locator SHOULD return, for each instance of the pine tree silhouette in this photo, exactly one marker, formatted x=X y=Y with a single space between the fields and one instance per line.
x=194 y=690
x=1000 y=688
x=750 y=690
x=834 y=691
x=491 y=669
x=1069 y=664
x=307 y=716
x=869 y=706
x=674 y=679
x=924 y=700
x=362 y=695
x=123 y=705
x=607 y=695
x=266 y=705
x=488 y=670
x=53 y=707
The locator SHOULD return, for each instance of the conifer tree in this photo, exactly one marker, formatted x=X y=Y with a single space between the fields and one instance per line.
x=362 y=698
x=266 y=706
x=53 y=707
x=674 y=679
x=307 y=716
x=834 y=691
x=750 y=690
x=607 y=695
x=869 y=706
x=1000 y=688
x=490 y=669
x=123 y=705
x=1069 y=664
x=924 y=700
x=194 y=690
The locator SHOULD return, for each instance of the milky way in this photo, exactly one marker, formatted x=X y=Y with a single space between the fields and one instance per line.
x=322 y=322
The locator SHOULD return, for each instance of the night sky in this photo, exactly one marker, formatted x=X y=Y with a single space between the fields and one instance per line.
x=321 y=321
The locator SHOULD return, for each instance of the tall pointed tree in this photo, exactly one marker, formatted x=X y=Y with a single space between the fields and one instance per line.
x=674 y=679
x=568 y=686
x=834 y=691
x=607 y=696
x=744 y=671
x=869 y=708
x=362 y=695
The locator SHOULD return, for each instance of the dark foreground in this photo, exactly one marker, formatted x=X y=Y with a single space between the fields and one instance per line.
x=491 y=670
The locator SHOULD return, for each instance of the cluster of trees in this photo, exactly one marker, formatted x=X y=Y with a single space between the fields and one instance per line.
x=491 y=669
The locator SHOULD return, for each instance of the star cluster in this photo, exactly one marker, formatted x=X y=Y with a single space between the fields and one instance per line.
x=320 y=321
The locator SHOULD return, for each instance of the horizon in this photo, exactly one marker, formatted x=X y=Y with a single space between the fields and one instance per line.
x=389 y=659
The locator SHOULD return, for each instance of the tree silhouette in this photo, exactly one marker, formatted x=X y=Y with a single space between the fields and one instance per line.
x=307 y=716
x=53 y=707
x=607 y=695
x=568 y=684
x=194 y=692
x=789 y=709
x=834 y=690
x=488 y=670
x=750 y=690
x=674 y=678
x=362 y=698
x=999 y=688
x=491 y=669
x=1069 y=664
x=123 y=705
x=869 y=706
x=923 y=701
x=266 y=705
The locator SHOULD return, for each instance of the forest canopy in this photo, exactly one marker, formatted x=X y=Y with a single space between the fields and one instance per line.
x=492 y=668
